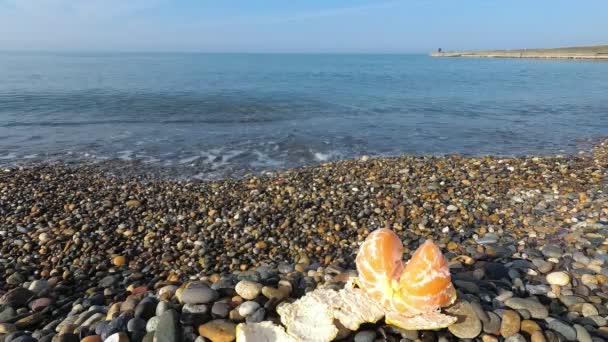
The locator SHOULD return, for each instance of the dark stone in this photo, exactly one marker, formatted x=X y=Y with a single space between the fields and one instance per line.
x=24 y=338
x=136 y=324
x=68 y=338
x=14 y=335
x=17 y=297
x=496 y=271
x=108 y=281
x=146 y=308
x=7 y=313
x=96 y=299
x=118 y=324
x=137 y=336
x=220 y=310
x=194 y=319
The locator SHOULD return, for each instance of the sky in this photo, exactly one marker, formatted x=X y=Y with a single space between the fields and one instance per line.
x=292 y=26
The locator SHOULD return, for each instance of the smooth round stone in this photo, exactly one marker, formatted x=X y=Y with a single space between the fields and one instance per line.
x=220 y=310
x=146 y=308
x=561 y=327
x=161 y=307
x=515 y=338
x=274 y=293
x=91 y=338
x=540 y=289
x=542 y=265
x=589 y=310
x=529 y=326
x=480 y=312
x=492 y=326
x=511 y=323
x=468 y=325
x=22 y=338
x=581 y=257
x=571 y=300
x=558 y=278
x=538 y=336
x=15 y=279
x=167 y=290
x=589 y=279
x=552 y=251
x=195 y=308
x=219 y=330
x=582 y=290
x=7 y=313
x=108 y=281
x=168 y=327
x=257 y=316
x=40 y=303
x=7 y=328
x=198 y=295
x=285 y=268
x=365 y=336
x=488 y=338
x=248 y=308
x=582 y=335
x=536 y=309
x=119 y=260
x=17 y=297
x=37 y=286
x=248 y=289
x=152 y=324
x=136 y=324
x=595 y=321
x=68 y=338
x=488 y=239
x=117 y=337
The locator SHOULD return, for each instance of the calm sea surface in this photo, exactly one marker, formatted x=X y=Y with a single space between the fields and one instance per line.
x=215 y=115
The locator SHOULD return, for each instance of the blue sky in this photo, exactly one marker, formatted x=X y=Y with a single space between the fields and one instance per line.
x=299 y=25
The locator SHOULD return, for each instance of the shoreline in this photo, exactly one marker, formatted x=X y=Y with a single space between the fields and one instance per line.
x=589 y=53
x=87 y=254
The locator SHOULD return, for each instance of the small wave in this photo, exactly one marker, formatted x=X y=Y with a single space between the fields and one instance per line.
x=322 y=156
x=10 y=155
x=264 y=160
x=188 y=160
x=125 y=155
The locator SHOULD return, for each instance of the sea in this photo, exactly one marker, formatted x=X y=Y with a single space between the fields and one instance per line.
x=212 y=116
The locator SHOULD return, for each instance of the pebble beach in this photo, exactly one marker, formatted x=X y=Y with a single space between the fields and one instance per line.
x=87 y=255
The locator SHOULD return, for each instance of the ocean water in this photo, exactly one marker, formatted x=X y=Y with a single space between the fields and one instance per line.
x=217 y=115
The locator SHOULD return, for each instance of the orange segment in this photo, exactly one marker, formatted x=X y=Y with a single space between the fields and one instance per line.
x=423 y=286
x=379 y=265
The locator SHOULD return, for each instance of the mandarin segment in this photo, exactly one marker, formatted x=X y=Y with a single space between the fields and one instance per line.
x=422 y=286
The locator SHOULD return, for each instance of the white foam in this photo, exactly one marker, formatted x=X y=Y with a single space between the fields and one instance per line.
x=322 y=156
x=188 y=160
x=125 y=155
x=264 y=160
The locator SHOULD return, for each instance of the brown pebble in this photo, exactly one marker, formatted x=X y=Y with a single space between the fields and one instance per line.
x=529 y=326
x=92 y=338
x=538 y=336
x=119 y=260
x=489 y=338
x=511 y=323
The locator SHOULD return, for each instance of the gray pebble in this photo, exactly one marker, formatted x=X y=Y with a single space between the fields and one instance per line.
x=365 y=336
